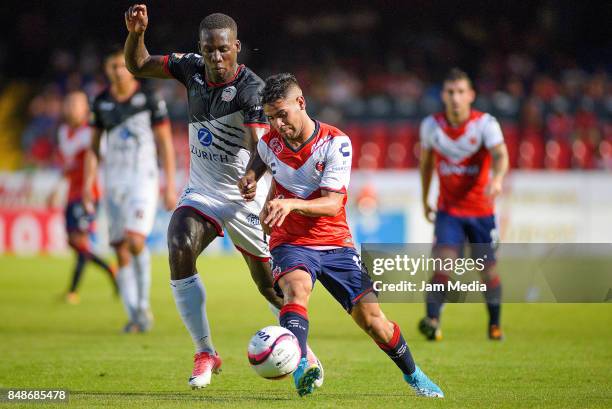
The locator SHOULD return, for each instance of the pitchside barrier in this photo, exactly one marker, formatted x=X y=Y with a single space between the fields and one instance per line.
x=384 y=207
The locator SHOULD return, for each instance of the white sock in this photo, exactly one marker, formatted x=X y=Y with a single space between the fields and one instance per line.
x=142 y=267
x=128 y=289
x=190 y=297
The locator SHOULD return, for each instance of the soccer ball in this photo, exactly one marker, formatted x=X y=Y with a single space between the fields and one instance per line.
x=274 y=352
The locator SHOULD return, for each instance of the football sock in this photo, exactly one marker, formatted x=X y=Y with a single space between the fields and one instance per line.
x=398 y=351
x=142 y=267
x=78 y=271
x=274 y=310
x=435 y=299
x=294 y=317
x=190 y=297
x=493 y=298
x=126 y=279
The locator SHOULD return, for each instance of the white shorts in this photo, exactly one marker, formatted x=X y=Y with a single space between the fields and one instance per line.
x=239 y=218
x=130 y=209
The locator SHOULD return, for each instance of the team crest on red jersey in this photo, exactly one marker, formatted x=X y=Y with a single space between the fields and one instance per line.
x=473 y=140
x=320 y=166
x=276 y=146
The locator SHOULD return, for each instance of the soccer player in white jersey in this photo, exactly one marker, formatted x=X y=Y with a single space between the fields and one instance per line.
x=309 y=236
x=467 y=149
x=133 y=121
x=225 y=122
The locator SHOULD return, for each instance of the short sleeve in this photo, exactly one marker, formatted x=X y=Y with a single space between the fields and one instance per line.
x=425 y=132
x=94 y=116
x=182 y=66
x=250 y=104
x=337 y=170
x=159 y=110
x=492 y=134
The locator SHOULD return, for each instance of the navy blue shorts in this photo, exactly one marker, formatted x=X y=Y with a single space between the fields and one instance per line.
x=339 y=270
x=77 y=219
x=454 y=231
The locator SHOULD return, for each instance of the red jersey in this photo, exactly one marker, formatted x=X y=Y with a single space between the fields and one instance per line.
x=462 y=161
x=73 y=143
x=323 y=162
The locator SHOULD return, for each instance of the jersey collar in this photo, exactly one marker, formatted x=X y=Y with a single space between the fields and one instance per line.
x=219 y=84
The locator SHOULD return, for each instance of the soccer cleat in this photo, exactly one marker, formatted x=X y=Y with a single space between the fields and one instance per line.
x=312 y=359
x=204 y=365
x=431 y=329
x=422 y=385
x=495 y=333
x=144 y=320
x=305 y=376
x=73 y=298
x=131 y=328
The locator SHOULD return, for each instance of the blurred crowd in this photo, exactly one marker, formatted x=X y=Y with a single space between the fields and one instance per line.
x=377 y=80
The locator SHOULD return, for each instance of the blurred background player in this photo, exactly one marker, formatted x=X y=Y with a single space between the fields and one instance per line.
x=464 y=146
x=225 y=122
x=309 y=235
x=74 y=139
x=133 y=120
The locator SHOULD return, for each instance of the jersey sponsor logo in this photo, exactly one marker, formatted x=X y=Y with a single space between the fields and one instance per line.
x=320 y=166
x=125 y=134
x=138 y=100
x=205 y=137
x=344 y=149
x=276 y=146
x=228 y=93
x=447 y=169
x=252 y=219
x=214 y=157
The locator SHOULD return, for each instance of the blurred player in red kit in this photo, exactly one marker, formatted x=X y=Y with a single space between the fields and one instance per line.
x=464 y=146
x=74 y=138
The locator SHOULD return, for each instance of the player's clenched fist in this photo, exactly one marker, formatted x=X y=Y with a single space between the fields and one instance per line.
x=136 y=18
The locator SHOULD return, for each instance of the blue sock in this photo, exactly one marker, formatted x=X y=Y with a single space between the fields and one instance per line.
x=398 y=351
x=294 y=317
x=493 y=298
x=435 y=299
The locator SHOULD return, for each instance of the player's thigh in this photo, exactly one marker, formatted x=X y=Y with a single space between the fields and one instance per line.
x=189 y=233
x=115 y=204
x=449 y=236
x=483 y=237
x=140 y=211
x=241 y=221
x=344 y=276
x=285 y=260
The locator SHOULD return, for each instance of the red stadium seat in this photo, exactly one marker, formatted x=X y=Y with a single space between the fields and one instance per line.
x=558 y=154
x=531 y=152
x=511 y=137
x=400 y=147
x=583 y=154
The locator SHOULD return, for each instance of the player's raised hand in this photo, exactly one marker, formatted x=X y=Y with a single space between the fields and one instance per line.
x=137 y=19
x=277 y=210
x=247 y=185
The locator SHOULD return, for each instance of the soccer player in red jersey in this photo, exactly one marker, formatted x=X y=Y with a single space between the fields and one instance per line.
x=74 y=138
x=309 y=236
x=465 y=146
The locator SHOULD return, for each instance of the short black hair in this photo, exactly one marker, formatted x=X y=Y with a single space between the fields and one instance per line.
x=113 y=50
x=219 y=21
x=277 y=87
x=456 y=74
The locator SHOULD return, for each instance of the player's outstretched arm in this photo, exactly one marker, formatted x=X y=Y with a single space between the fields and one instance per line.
x=137 y=58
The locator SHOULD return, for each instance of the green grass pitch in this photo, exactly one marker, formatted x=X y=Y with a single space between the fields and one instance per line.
x=554 y=355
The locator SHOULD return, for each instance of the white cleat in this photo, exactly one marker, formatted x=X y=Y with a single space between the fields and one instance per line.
x=204 y=365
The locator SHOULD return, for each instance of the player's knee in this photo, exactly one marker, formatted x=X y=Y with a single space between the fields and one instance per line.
x=136 y=243
x=297 y=291
x=180 y=246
